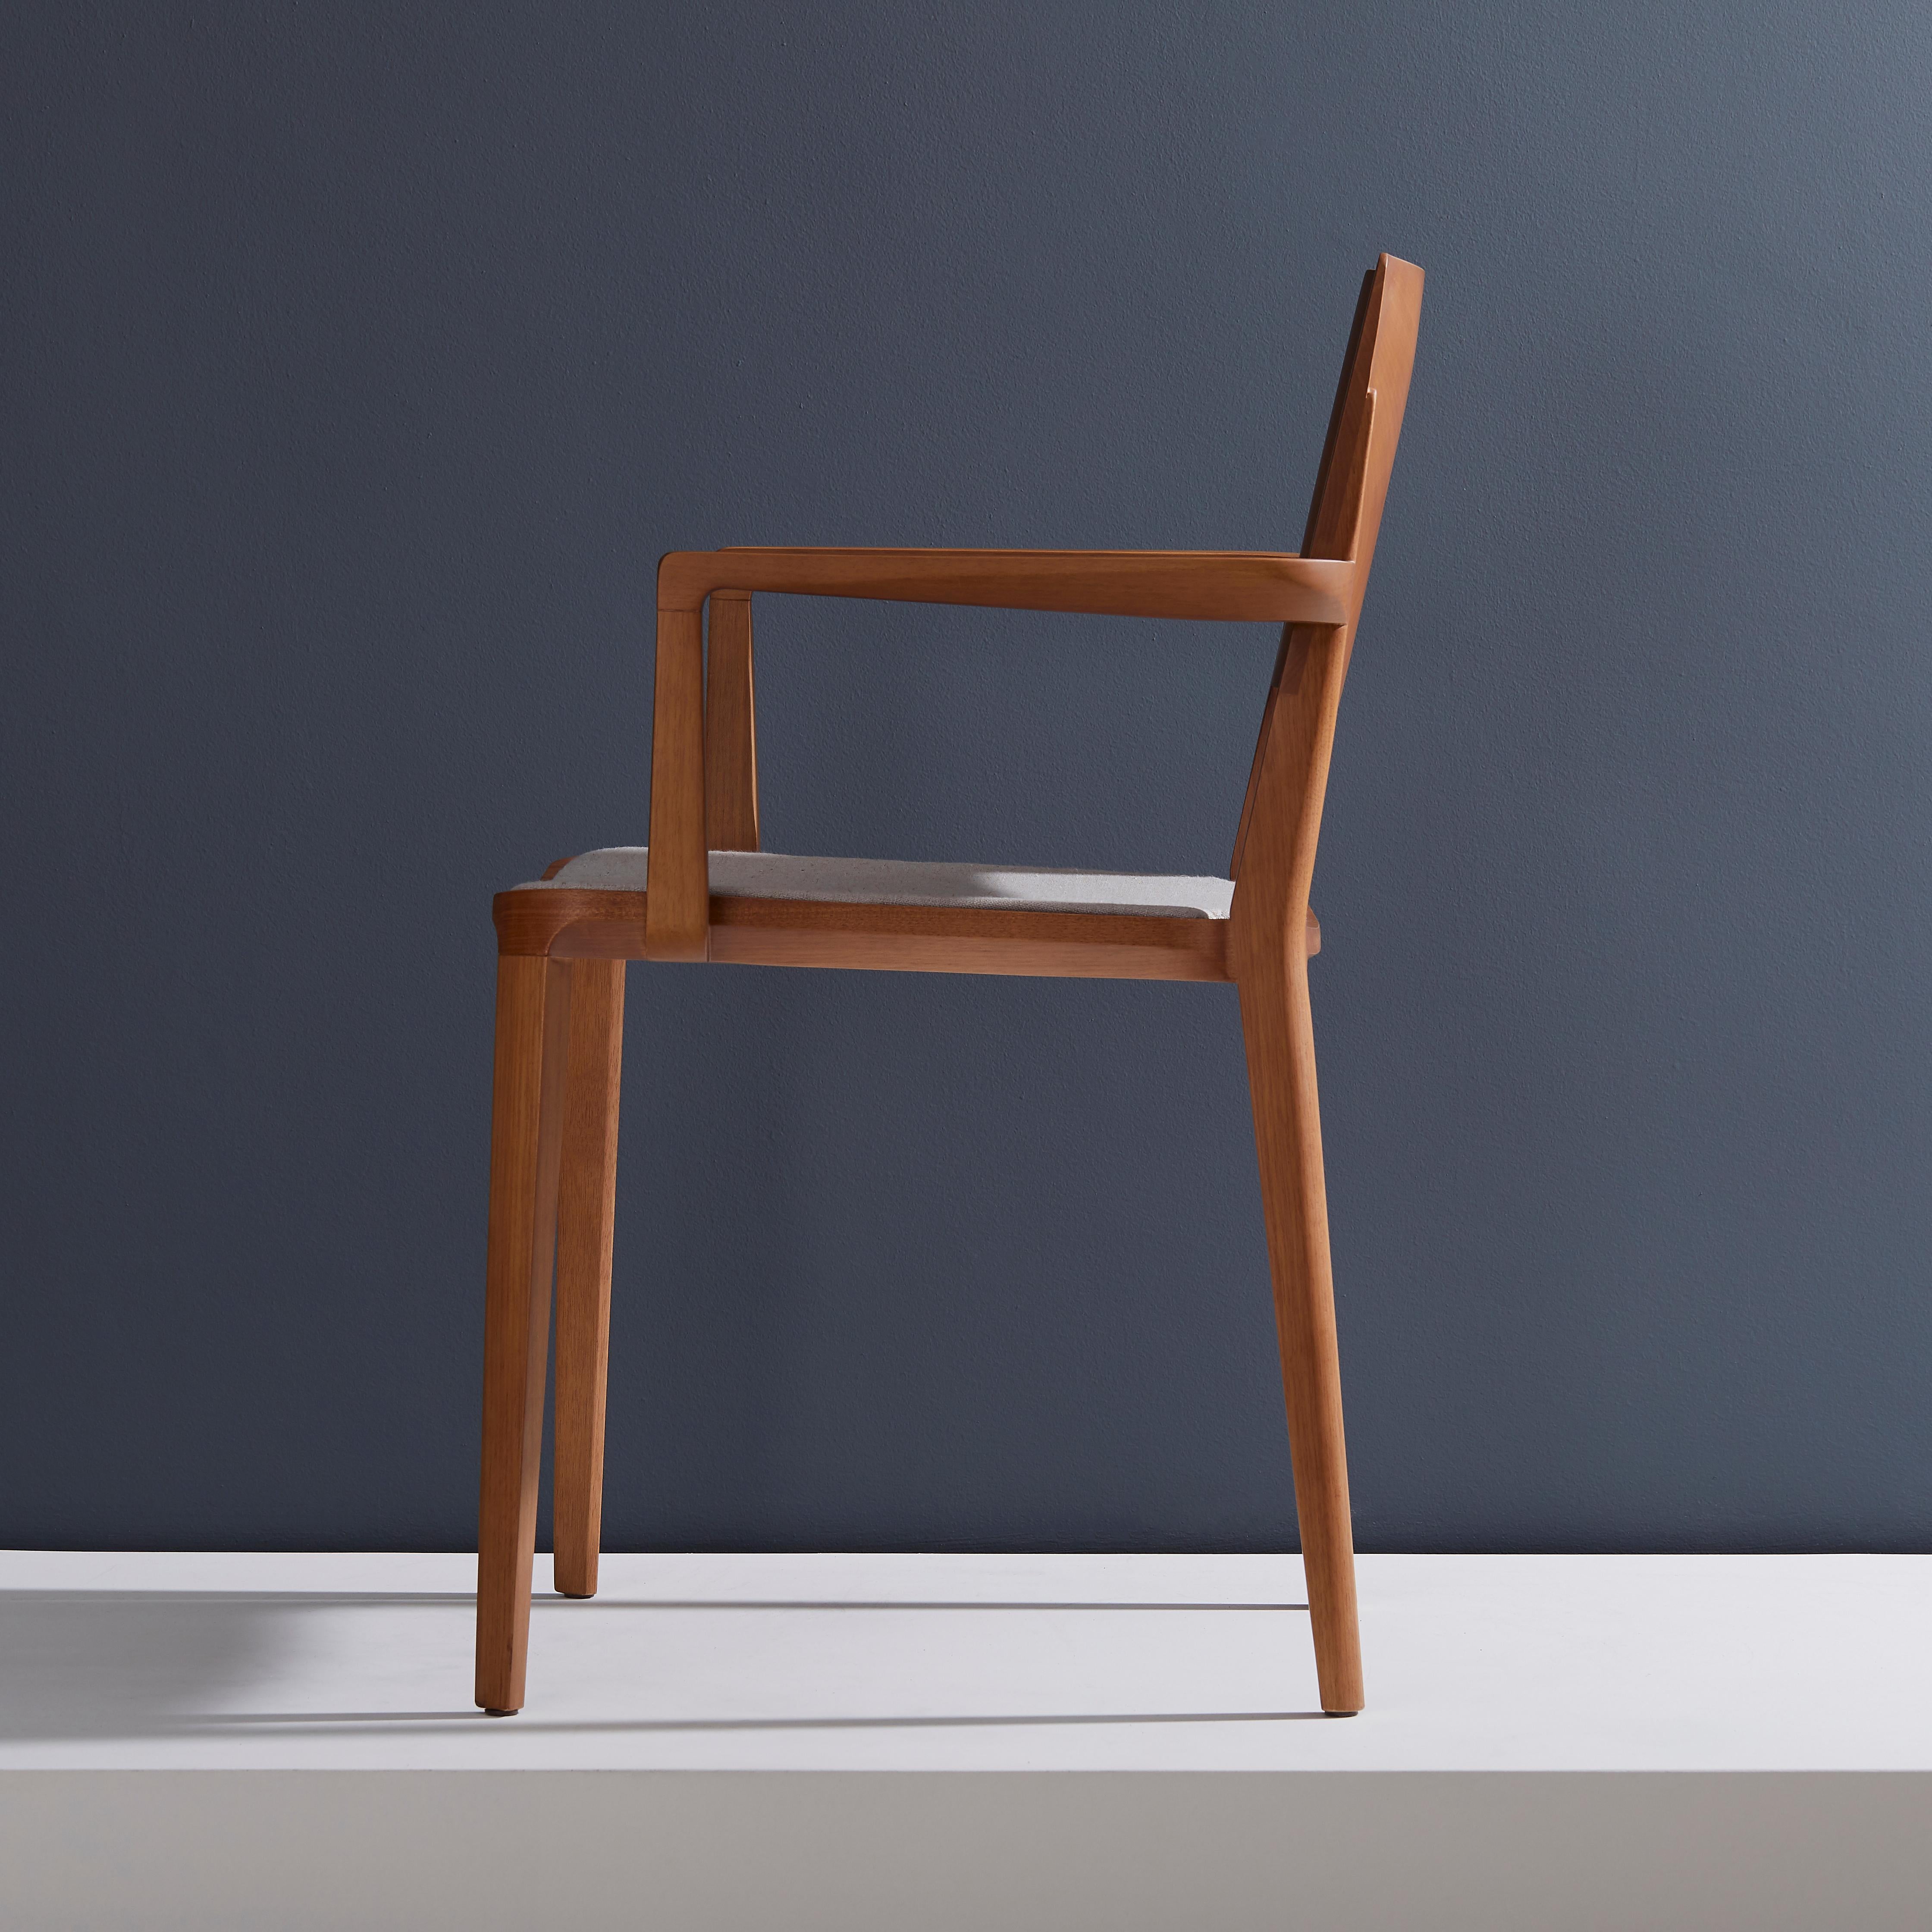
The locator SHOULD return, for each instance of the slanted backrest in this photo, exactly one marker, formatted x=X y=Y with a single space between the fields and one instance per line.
x=1274 y=848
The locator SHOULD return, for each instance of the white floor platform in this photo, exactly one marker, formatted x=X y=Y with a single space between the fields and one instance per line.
x=957 y=1742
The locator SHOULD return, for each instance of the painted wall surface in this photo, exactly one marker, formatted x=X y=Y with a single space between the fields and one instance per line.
x=359 y=362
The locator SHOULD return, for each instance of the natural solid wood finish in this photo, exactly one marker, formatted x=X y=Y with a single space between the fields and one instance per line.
x=526 y=1134
x=680 y=877
x=1278 y=1032
x=587 y=1213
x=967 y=939
x=1255 y=585
x=561 y=949
x=1274 y=866
x=730 y=727
x=572 y=924
x=1279 y=1035
x=1326 y=517
x=569 y=924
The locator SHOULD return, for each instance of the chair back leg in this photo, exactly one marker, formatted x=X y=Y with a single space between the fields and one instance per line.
x=587 y=1206
x=526 y=1138
x=1278 y=1032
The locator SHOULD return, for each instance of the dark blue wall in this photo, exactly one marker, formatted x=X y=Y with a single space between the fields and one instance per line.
x=357 y=365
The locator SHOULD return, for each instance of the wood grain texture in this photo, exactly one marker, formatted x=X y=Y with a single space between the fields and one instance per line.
x=1280 y=1038
x=599 y=925
x=526 y=1134
x=680 y=876
x=967 y=939
x=574 y=925
x=1234 y=586
x=730 y=727
x=1274 y=862
x=1274 y=865
x=1278 y=1034
x=587 y=1217
x=1351 y=480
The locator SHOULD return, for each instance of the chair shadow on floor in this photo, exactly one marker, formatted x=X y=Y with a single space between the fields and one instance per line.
x=76 y=1665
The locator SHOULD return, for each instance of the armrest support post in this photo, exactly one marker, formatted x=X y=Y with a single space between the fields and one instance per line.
x=677 y=910
x=730 y=732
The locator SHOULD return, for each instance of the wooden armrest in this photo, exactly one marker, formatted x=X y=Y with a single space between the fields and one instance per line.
x=1255 y=586
x=1251 y=585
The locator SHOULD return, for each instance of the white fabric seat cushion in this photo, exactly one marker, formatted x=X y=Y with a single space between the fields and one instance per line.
x=783 y=875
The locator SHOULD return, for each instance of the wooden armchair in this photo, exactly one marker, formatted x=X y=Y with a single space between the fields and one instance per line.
x=703 y=890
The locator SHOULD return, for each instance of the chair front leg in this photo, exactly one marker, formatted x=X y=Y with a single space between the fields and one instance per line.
x=1278 y=1031
x=526 y=1134
x=586 y=1216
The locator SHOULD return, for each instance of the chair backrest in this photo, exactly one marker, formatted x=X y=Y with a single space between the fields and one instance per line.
x=1281 y=816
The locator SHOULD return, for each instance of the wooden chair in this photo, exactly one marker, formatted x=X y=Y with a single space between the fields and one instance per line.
x=712 y=894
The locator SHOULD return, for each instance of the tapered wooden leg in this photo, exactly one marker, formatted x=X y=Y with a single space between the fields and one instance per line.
x=585 y=1212
x=1279 y=1033
x=526 y=1124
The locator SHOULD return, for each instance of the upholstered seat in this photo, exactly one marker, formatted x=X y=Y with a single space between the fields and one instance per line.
x=785 y=875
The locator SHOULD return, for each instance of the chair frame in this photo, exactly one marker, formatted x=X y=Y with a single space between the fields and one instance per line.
x=562 y=953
